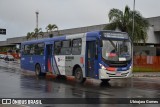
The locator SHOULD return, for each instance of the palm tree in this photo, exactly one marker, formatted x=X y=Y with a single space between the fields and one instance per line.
x=37 y=32
x=29 y=35
x=50 y=28
x=124 y=21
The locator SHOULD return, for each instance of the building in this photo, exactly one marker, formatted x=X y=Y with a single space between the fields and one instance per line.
x=152 y=44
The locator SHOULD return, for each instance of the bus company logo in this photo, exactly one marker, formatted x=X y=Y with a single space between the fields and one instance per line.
x=59 y=59
x=6 y=101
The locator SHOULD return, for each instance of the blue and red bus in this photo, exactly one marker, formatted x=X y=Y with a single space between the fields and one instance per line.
x=99 y=54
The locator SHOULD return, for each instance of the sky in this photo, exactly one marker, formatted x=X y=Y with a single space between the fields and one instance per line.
x=18 y=16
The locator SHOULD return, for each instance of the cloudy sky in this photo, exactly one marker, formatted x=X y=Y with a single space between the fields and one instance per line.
x=18 y=16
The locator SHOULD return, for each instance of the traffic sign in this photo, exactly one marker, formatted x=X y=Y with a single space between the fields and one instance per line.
x=3 y=31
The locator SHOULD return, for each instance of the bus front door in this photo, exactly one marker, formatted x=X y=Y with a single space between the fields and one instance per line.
x=48 y=58
x=91 y=59
x=50 y=63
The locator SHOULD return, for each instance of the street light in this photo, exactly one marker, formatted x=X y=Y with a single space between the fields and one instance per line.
x=133 y=21
x=37 y=19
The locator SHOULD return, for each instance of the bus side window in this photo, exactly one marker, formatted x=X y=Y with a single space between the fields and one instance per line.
x=39 y=49
x=26 y=49
x=57 y=47
x=22 y=50
x=66 y=47
x=32 y=47
x=76 y=46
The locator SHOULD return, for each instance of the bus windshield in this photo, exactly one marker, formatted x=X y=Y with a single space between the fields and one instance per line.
x=116 y=50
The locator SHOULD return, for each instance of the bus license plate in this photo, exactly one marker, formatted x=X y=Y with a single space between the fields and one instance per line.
x=118 y=74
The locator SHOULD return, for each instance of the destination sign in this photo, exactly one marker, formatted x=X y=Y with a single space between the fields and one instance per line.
x=115 y=35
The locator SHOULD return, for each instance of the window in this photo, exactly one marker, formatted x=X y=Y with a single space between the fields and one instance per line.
x=22 y=49
x=29 y=49
x=66 y=44
x=66 y=48
x=76 y=46
x=26 y=49
x=57 y=48
x=39 y=49
x=34 y=49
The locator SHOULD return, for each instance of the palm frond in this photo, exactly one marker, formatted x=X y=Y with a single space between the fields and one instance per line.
x=124 y=22
x=115 y=14
x=50 y=28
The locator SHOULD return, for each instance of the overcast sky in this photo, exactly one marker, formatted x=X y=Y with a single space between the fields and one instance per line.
x=18 y=16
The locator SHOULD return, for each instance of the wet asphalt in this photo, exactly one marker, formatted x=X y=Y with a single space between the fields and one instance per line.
x=17 y=83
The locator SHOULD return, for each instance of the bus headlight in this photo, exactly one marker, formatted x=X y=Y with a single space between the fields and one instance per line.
x=102 y=67
x=112 y=69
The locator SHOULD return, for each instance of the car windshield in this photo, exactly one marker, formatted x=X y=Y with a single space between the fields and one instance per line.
x=116 y=50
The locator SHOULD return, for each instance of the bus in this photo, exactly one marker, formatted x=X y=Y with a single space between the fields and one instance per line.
x=98 y=54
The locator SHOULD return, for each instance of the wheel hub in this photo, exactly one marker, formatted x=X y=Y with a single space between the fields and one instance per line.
x=78 y=75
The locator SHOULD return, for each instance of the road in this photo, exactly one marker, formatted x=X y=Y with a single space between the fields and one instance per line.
x=17 y=83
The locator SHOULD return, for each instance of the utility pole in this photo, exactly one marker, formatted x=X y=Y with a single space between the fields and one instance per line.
x=133 y=41
x=133 y=21
x=37 y=19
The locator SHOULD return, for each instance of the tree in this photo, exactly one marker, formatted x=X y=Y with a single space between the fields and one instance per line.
x=42 y=34
x=37 y=32
x=29 y=35
x=124 y=22
x=50 y=28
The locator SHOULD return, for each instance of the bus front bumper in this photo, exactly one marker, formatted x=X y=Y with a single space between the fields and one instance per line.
x=104 y=74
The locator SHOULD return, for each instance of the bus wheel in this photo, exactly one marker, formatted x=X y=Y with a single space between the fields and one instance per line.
x=79 y=75
x=38 y=71
x=105 y=80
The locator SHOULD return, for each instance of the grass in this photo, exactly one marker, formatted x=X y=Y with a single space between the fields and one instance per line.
x=145 y=69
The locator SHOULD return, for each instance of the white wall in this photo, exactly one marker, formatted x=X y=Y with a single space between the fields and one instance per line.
x=152 y=38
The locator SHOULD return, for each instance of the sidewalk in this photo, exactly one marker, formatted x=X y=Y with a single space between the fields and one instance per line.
x=146 y=74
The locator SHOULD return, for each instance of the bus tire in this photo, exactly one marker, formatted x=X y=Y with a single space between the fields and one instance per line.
x=105 y=80
x=38 y=71
x=79 y=75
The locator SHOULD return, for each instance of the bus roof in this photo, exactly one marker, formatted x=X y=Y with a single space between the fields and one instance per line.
x=45 y=39
x=88 y=34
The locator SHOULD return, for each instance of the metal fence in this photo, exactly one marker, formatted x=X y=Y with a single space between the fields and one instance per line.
x=146 y=63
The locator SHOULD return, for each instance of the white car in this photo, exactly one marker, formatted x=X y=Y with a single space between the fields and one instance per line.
x=2 y=56
x=9 y=58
